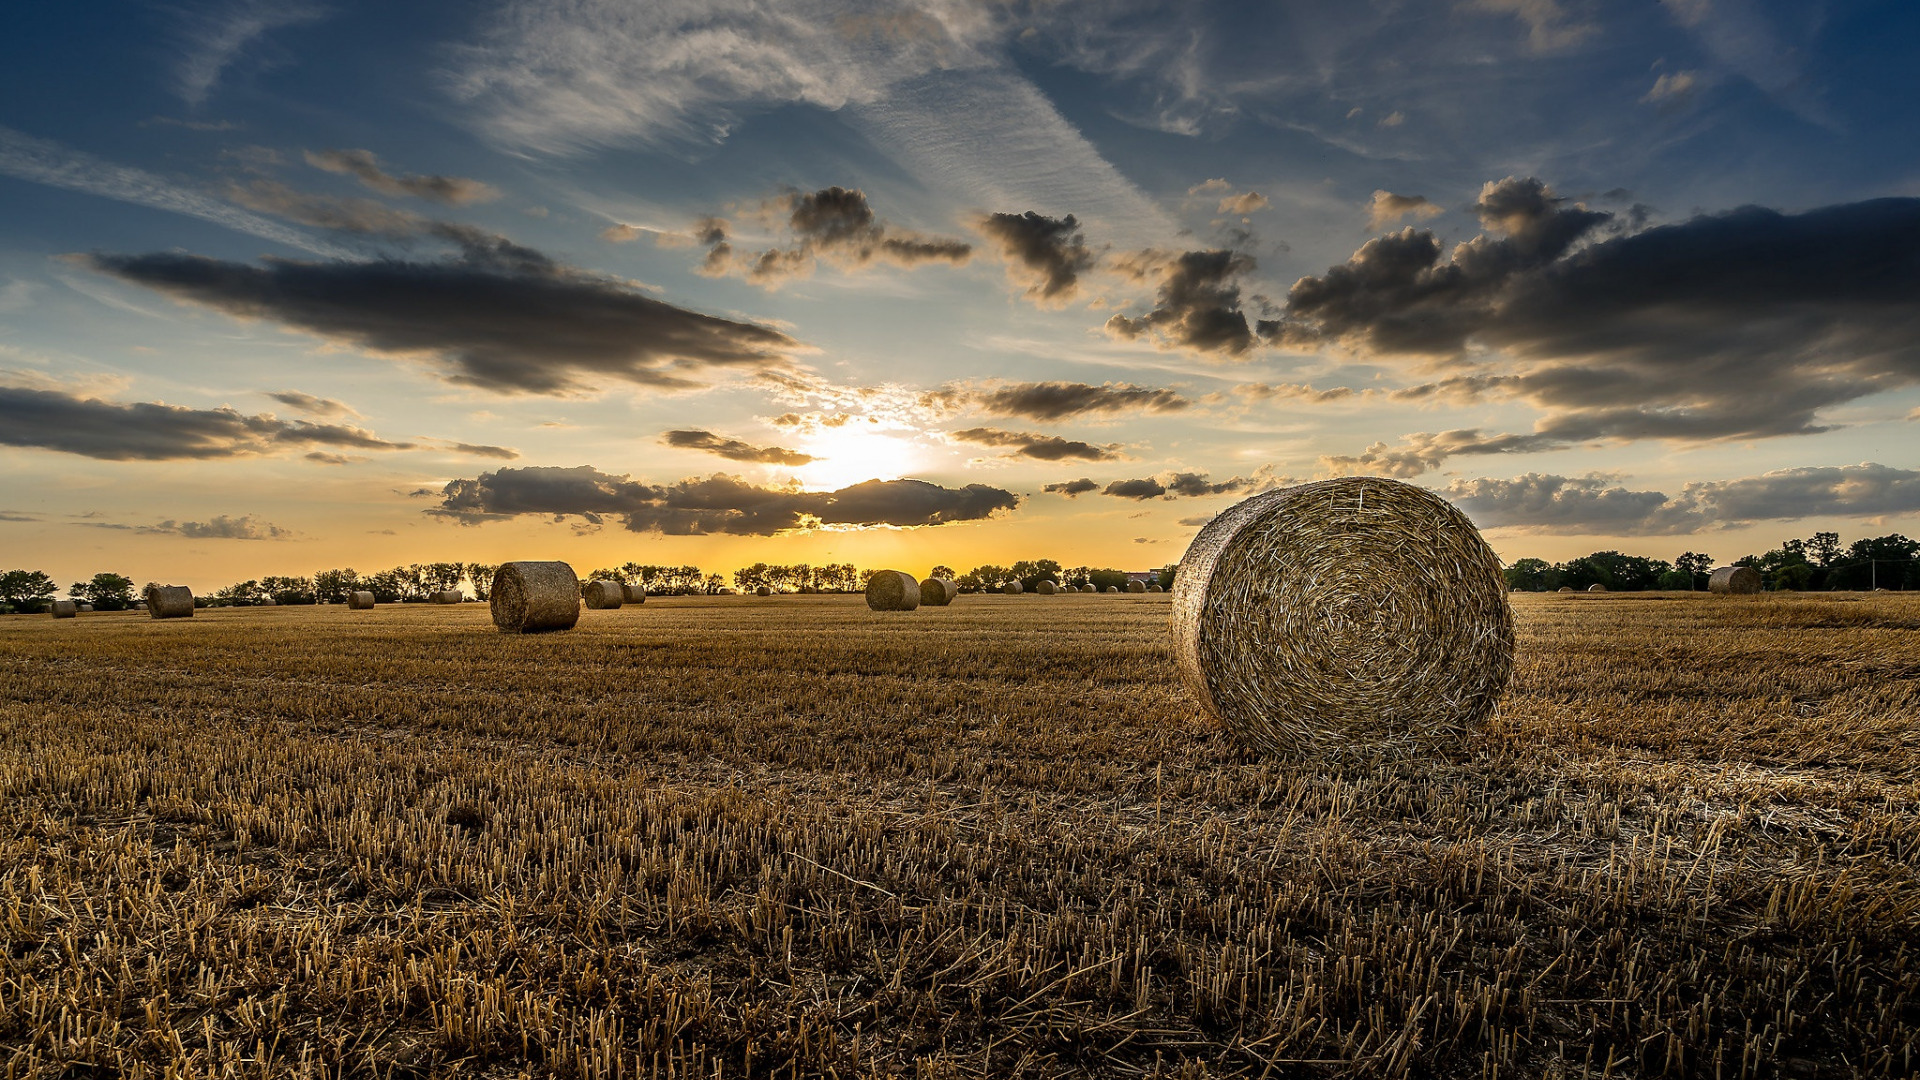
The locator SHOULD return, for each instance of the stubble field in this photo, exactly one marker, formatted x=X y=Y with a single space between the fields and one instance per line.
x=791 y=837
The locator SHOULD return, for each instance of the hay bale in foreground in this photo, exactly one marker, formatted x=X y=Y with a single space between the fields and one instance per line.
x=65 y=609
x=360 y=600
x=446 y=596
x=1136 y=586
x=938 y=592
x=1046 y=588
x=1357 y=613
x=634 y=592
x=1734 y=581
x=1596 y=587
x=892 y=590
x=169 y=602
x=531 y=597
x=603 y=595
x=1013 y=588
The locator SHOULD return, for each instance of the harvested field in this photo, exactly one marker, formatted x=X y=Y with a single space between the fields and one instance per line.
x=727 y=838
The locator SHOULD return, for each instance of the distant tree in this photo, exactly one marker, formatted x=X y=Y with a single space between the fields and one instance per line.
x=1618 y=572
x=26 y=591
x=714 y=584
x=1529 y=575
x=391 y=586
x=239 y=594
x=1698 y=565
x=1076 y=577
x=106 y=592
x=332 y=586
x=1166 y=575
x=289 y=590
x=1886 y=562
x=480 y=576
x=1031 y=572
x=1107 y=577
x=440 y=576
x=943 y=571
x=1824 y=548
x=985 y=578
x=1676 y=581
x=748 y=578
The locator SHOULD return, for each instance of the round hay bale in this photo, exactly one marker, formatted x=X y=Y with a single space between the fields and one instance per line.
x=1734 y=581
x=1046 y=588
x=65 y=609
x=938 y=592
x=1564 y=588
x=1596 y=587
x=169 y=602
x=763 y=590
x=634 y=592
x=84 y=607
x=530 y=597
x=1111 y=589
x=1136 y=586
x=1351 y=613
x=1089 y=589
x=360 y=600
x=1155 y=588
x=269 y=602
x=1013 y=588
x=603 y=595
x=446 y=596
x=892 y=590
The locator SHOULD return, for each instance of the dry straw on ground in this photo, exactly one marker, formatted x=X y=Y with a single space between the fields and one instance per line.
x=938 y=592
x=360 y=600
x=1735 y=580
x=634 y=592
x=65 y=609
x=529 y=597
x=1357 y=613
x=603 y=595
x=169 y=602
x=892 y=590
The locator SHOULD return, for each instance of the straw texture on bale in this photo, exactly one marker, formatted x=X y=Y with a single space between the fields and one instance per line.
x=1596 y=587
x=1357 y=613
x=763 y=590
x=938 y=592
x=1734 y=580
x=892 y=590
x=603 y=595
x=65 y=609
x=169 y=602
x=446 y=596
x=530 y=597
x=360 y=600
x=1046 y=588
x=1013 y=588
x=1136 y=586
x=634 y=592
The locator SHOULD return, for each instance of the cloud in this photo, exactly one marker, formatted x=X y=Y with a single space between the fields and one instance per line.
x=1424 y=450
x=361 y=216
x=499 y=316
x=1197 y=520
x=221 y=527
x=1549 y=27
x=485 y=450
x=363 y=166
x=311 y=405
x=1037 y=446
x=621 y=233
x=1596 y=504
x=835 y=225
x=1393 y=119
x=41 y=161
x=734 y=449
x=1736 y=325
x=1056 y=400
x=1072 y=488
x=719 y=504
x=1198 y=304
x=321 y=457
x=1671 y=88
x=152 y=431
x=1175 y=485
x=1046 y=255
x=216 y=36
x=11 y=515
x=1243 y=204
x=1295 y=392
x=1388 y=208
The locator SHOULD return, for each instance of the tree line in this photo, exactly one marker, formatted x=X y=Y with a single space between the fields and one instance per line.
x=1818 y=563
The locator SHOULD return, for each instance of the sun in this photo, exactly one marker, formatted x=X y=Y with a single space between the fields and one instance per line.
x=844 y=456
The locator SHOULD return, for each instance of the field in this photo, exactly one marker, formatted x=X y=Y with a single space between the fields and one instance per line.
x=790 y=837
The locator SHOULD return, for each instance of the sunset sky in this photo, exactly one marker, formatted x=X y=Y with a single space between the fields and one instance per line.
x=291 y=285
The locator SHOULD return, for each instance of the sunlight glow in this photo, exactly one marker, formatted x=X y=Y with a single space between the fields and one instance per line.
x=848 y=455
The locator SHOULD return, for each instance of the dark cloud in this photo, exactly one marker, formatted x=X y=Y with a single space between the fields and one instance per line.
x=716 y=504
x=1597 y=504
x=1294 y=392
x=486 y=450
x=1197 y=521
x=221 y=527
x=1424 y=450
x=1143 y=488
x=834 y=224
x=1736 y=325
x=311 y=405
x=321 y=457
x=1045 y=255
x=9 y=515
x=1176 y=485
x=734 y=449
x=499 y=316
x=1198 y=305
x=1072 y=488
x=1055 y=400
x=363 y=166
x=151 y=431
x=1037 y=446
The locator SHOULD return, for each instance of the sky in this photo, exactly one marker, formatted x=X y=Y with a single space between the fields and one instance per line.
x=288 y=285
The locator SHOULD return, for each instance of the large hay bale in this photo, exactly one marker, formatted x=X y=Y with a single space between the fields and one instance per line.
x=65 y=609
x=938 y=592
x=1046 y=588
x=892 y=590
x=446 y=596
x=360 y=600
x=1013 y=588
x=1352 y=613
x=531 y=597
x=1596 y=587
x=603 y=595
x=634 y=592
x=169 y=602
x=1734 y=581
x=1136 y=586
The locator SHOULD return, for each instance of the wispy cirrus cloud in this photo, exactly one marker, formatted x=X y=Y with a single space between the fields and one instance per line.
x=215 y=35
x=364 y=166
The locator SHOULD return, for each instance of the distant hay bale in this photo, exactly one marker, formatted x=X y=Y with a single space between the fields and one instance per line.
x=360 y=600
x=603 y=595
x=1136 y=586
x=1564 y=588
x=892 y=590
x=65 y=609
x=269 y=602
x=1155 y=588
x=1013 y=588
x=84 y=607
x=763 y=590
x=1046 y=588
x=938 y=592
x=1734 y=581
x=446 y=596
x=1359 y=613
x=1089 y=589
x=1111 y=589
x=634 y=592
x=532 y=597
x=1596 y=587
x=169 y=602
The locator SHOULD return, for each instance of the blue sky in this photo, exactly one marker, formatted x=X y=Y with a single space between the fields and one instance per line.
x=286 y=285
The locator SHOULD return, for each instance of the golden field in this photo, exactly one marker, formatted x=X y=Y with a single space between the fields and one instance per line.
x=792 y=837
